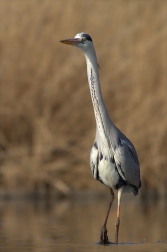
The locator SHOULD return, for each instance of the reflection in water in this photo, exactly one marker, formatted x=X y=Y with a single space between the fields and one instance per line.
x=74 y=225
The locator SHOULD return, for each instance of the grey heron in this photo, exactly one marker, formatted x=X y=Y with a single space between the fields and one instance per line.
x=113 y=158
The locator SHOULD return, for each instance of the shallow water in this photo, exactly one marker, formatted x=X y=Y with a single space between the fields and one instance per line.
x=74 y=225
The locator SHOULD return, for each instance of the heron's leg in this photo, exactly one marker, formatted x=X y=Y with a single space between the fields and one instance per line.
x=104 y=237
x=118 y=215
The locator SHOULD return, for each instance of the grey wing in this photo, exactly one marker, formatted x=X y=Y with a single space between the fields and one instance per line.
x=94 y=161
x=127 y=162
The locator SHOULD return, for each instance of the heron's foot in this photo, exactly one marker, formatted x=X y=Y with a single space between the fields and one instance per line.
x=104 y=237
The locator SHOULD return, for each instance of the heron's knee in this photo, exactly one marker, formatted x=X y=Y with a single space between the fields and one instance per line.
x=117 y=222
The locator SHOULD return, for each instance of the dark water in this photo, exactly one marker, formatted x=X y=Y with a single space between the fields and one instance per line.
x=74 y=225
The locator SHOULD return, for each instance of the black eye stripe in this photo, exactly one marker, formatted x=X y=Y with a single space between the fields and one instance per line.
x=87 y=36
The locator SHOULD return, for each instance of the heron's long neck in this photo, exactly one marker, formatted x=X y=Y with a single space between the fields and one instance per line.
x=100 y=111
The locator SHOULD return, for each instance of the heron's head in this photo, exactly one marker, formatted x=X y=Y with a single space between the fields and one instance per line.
x=82 y=40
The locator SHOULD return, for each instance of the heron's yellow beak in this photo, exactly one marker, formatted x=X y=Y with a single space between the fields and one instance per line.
x=73 y=41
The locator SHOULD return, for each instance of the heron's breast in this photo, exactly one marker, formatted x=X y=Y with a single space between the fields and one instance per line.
x=108 y=173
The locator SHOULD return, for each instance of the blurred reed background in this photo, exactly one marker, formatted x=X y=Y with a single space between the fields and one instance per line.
x=47 y=123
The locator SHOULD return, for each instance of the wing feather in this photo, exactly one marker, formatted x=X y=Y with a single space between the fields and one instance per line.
x=127 y=162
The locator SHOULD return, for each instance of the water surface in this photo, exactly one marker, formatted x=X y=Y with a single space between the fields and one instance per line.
x=74 y=225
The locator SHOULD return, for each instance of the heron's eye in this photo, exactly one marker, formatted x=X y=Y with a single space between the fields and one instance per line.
x=84 y=40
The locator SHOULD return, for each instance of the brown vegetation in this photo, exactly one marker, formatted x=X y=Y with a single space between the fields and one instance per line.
x=47 y=123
